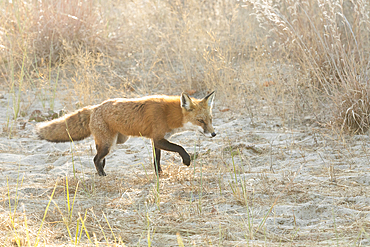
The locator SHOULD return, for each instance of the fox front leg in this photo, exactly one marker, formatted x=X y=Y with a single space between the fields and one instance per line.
x=172 y=147
x=157 y=161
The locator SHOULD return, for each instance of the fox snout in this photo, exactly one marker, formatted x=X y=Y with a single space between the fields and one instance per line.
x=210 y=131
x=213 y=134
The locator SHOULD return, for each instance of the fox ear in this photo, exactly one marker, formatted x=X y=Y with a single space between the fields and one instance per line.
x=209 y=99
x=186 y=102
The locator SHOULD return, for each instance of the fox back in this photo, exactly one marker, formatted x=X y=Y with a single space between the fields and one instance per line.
x=154 y=116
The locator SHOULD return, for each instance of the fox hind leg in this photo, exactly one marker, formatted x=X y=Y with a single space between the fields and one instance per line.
x=103 y=163
x=103 y=146
x=99 y=159
x=104 y=139
x=121 y=138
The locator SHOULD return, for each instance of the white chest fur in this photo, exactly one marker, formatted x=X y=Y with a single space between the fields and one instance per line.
x=187 y=127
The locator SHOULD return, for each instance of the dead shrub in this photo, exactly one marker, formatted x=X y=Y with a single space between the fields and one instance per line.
x=42 y=30
x=329 y=41
x=353 y=109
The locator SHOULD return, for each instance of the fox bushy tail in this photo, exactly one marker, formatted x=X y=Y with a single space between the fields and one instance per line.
x=76 y=124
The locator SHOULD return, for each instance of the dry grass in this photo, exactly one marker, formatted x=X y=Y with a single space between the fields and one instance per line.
x=136 y=46
x=283 y=67
x=215 y=203
x=329 y=42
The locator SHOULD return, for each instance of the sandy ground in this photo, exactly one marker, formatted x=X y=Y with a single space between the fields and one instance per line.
x=302 y=186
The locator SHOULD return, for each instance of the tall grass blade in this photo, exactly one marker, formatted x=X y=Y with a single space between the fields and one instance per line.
x=45 y=213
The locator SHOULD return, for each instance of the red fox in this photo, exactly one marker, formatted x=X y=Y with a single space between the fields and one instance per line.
x=115 y=120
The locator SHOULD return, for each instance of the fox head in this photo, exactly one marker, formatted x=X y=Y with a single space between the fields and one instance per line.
x=199 y=112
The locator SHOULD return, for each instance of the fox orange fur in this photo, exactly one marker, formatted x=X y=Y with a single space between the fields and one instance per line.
x=115 y=120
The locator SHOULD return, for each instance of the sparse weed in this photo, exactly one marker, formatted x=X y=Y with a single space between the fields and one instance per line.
x=69 y=206
x=13 y=216
x=20 y=228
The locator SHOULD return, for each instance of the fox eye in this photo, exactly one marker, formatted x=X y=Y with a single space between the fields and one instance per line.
x=201 y=121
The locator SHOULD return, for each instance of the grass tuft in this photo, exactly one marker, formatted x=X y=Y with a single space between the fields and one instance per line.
x=329 y=42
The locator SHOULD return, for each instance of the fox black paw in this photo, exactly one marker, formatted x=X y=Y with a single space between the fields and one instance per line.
x=102 y=173
x=186 y=160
